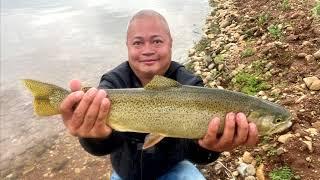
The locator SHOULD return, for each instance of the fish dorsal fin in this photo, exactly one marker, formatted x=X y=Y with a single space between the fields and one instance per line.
x=161 y=83
x=151 y=140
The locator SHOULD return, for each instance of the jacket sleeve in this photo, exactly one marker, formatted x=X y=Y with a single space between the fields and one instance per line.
x=100 y=147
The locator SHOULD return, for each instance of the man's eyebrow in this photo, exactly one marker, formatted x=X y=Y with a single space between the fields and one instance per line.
x=138 y=37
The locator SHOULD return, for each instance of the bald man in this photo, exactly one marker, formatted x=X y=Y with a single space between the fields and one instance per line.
x=149 y=45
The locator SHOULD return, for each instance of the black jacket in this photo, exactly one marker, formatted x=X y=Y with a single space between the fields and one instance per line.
x=125 y=147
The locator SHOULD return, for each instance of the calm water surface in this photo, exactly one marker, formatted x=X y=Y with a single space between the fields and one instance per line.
x=56 y=41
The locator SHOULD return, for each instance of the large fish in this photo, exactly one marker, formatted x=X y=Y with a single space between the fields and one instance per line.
x=165 y=108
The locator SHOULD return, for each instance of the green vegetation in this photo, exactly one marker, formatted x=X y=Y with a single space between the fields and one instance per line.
x=271 y=152
x=263 y=18
x=285 y=5
x=247 y=53
x=316 y=9
x=202 y=45
x=258 y=159
x=266 y=139
x=282 y=173
x=275 y=31
x=249 y=84
x=218 y=59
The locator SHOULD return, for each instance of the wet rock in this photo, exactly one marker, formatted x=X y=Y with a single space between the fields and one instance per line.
x=247 y=157
x=260 y=172
x=284 y=138
x=313 y=83
x=316 y=55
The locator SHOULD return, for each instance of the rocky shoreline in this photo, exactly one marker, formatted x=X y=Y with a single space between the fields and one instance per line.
x=270 y=50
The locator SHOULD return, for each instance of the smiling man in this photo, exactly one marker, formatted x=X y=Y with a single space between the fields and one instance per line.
x=149 y=46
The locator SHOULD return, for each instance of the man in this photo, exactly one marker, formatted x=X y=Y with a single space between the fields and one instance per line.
x=149 y=46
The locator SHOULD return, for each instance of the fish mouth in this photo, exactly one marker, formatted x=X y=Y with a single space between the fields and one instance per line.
x=280 y=127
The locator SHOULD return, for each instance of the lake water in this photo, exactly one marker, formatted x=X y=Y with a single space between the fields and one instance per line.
x=56 y=41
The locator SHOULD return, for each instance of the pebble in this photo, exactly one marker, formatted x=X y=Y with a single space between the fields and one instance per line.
x=260 y=172
x=309 y=58
x=250 y=170
x=220 y=67
x=306 y=43
x=226 y=154
x=302 y=55
x=313 y=83
x=284 y=138
x=316 y=55
x=312 y=131
x=300 y=99
x=309 y=145
x=250 y=178
x=247 y=157
x=235 y=173
x=241 y=168
x=77 y=170
x=280 y=151
x=308 y=159
x=316 y=125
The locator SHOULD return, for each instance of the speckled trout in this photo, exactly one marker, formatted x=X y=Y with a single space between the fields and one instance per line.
x=165 y=108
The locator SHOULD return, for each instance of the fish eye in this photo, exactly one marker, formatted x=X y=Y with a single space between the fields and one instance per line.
x=277 y=120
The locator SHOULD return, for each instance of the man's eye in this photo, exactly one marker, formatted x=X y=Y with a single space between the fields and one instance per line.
x=157 y=41
x=136 y=43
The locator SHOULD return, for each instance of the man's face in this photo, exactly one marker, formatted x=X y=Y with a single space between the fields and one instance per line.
x=149 y=46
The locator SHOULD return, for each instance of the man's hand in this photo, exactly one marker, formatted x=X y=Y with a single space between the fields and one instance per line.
x=237 y=131
x=87 y=120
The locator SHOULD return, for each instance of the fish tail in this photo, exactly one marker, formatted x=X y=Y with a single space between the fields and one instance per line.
x=47 y=97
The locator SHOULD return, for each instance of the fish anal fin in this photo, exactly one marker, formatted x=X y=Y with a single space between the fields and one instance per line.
x=161 y=83
x=151 y=140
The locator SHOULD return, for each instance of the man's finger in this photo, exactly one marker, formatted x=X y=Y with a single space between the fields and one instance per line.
x=211 y=136
x=81 y=110
x=66 y=107
x=75 y=85
x=93 y=111
x=242 y=129
x=253 y=135
x=229 y=130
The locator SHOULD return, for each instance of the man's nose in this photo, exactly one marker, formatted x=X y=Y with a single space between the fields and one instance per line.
x=148 y=49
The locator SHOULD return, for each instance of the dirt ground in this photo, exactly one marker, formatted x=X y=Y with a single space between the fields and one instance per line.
x=65 y=159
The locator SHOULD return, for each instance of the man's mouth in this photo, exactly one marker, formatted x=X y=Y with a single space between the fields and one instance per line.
x=148 y=61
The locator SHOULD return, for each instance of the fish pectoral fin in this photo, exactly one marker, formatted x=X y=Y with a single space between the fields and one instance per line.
x=151 y=140
x=161 y=83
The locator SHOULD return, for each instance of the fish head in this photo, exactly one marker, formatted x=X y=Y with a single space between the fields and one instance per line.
x=270 y=120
